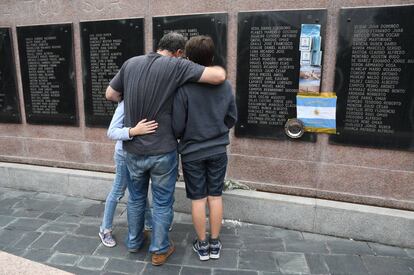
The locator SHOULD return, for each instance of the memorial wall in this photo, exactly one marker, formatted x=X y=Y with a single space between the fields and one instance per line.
x=337 y=73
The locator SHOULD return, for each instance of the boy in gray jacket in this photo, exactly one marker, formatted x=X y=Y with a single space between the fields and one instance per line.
x=202 y=117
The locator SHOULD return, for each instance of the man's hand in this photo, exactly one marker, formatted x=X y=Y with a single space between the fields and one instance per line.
x=112 y=95
x=213 y=75
x=143 y=127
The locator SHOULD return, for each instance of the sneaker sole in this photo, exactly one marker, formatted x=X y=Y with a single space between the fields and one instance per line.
x=105 y=244
x=215 y=256
x=202 y=258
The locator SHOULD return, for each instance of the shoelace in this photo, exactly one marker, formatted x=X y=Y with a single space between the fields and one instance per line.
x=216 y=245
x=108 y=237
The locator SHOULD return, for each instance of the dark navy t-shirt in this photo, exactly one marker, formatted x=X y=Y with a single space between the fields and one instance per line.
x=148 y=84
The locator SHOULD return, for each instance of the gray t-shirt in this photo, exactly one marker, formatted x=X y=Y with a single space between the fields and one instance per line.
x=148 y=84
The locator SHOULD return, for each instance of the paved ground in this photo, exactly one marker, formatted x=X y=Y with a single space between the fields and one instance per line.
x=62 y=232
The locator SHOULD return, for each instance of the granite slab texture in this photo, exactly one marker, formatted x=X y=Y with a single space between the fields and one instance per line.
x=248 y=249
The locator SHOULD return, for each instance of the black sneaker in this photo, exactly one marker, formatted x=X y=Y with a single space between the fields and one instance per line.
x=202 y=249
x=215 y=247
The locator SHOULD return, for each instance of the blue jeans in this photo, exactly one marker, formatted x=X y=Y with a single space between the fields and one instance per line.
x=162 y=170
x=119 y=185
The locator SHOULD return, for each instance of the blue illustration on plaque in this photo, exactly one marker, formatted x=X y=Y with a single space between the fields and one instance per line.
x=310 y=59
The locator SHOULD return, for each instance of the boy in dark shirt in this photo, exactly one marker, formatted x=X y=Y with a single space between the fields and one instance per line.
x=148 y=84
x=202 y=117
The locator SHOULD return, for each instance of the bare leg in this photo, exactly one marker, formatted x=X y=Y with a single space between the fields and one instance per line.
x=199 y=217
x=215 y=205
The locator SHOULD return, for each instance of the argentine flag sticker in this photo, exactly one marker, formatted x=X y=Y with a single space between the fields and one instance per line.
x=318 y=113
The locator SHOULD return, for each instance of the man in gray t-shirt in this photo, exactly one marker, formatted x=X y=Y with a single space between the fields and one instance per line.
x=147 y=84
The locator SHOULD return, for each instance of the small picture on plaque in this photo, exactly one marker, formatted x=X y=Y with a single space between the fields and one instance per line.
x=305 y=43
x=309 y=79
x=310 y=59
x=305 y=58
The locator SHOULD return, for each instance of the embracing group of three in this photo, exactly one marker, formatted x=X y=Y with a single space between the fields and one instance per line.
x=164 y=97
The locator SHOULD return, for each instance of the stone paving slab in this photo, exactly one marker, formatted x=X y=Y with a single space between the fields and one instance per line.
x=50 y=215
x=349 y=247
x=26 y=224
x=92 y=262
x=384 y=250
x=388 y=265
x=27 y=239
x=64 y=259
x=293 y=263
x=47 y=241
x=63 y=234
x=124 y=266
x=77 y=245
x=345 y=264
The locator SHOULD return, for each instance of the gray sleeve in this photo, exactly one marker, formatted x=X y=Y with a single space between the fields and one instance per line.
x=179 y=115
x=117 y=82
x=231 y=116
x=187 y=71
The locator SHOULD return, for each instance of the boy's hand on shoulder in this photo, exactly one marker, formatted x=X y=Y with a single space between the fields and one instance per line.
x=143 y=127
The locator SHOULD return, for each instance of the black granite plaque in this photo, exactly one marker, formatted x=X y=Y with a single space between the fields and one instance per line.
x=106 y=45
x=9 y=100
x=268 y=64
x=214 y=25
x=374 y=77
x=48 y=75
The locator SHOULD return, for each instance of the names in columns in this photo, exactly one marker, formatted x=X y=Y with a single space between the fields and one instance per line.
x=270 y=90
x=104 y=52
x=43 y=57
x=374 y=94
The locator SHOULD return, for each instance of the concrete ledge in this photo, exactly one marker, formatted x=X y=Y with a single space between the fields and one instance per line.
x=360 y=222
x=13 y=265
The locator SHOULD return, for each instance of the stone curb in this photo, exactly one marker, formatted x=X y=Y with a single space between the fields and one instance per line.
x=359 y=222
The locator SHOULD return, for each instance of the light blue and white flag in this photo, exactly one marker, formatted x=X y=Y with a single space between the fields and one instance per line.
x=318 y=113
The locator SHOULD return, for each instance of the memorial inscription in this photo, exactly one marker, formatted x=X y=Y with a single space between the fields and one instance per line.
x=268 y=67
x=374 y=83
x=9 y=101
x=214 y=25
x=48 y=77
x=106 y=45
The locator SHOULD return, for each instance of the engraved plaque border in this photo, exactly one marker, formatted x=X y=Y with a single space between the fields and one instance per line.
x=275 y=17
x=10 y=68
x=217 y=30
x=68 y=94
x=348 y=17
x=97 y=26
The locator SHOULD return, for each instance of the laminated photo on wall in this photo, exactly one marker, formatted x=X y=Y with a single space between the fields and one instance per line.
x=309 y=80
x=310 y=59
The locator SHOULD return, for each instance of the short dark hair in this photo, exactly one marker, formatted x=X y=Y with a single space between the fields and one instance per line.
x=172 y=41
x=200 y=49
